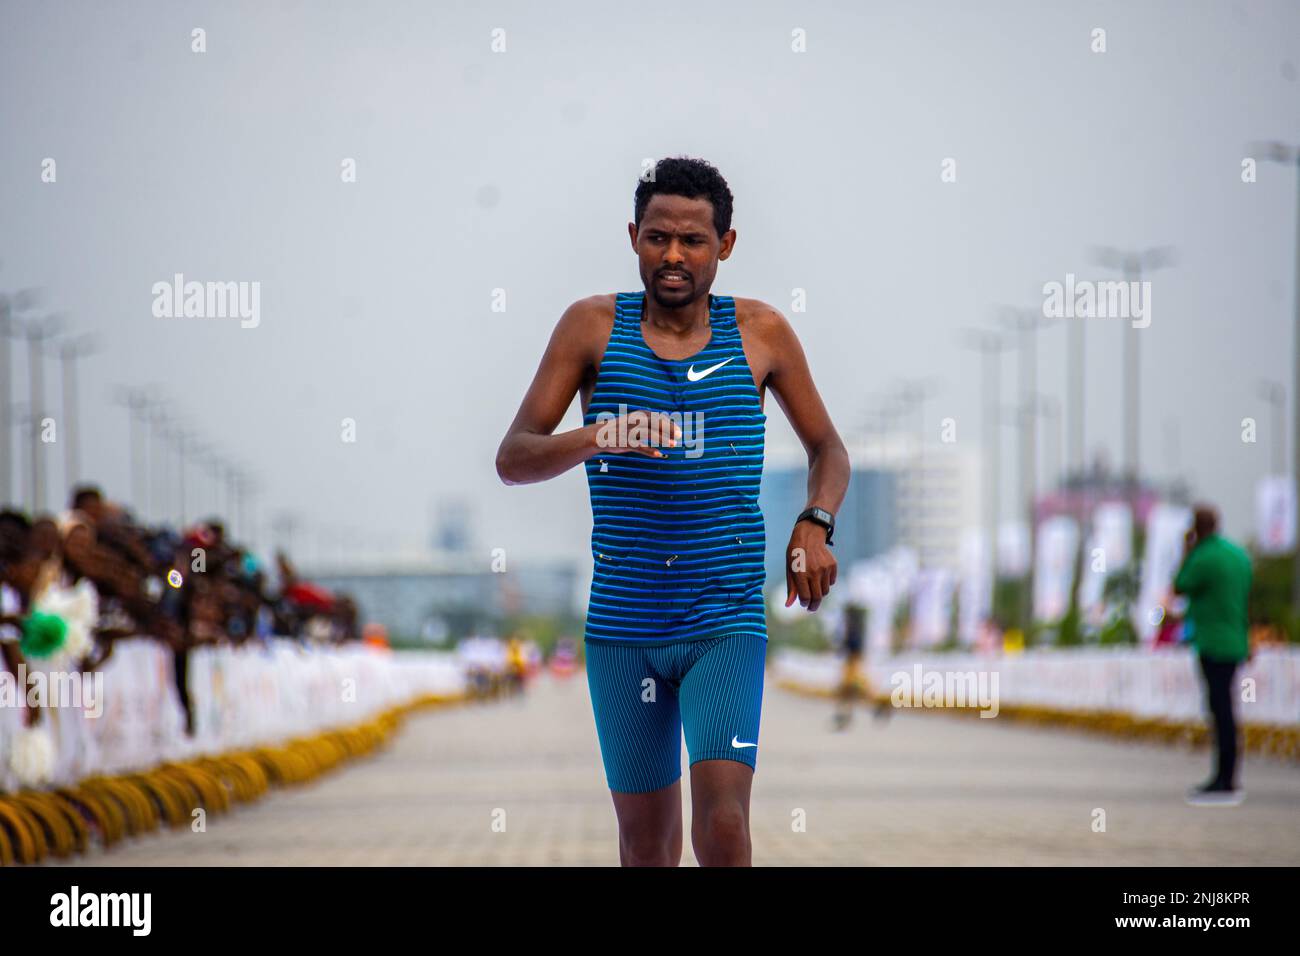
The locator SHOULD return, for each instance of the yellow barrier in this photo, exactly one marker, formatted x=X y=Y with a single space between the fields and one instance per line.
x=1278 y=741
x=35 y=824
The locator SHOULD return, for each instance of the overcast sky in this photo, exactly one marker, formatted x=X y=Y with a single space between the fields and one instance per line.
x=477 y=170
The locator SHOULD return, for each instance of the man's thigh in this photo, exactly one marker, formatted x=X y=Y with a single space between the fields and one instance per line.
x=638 y=722
x=721 y=699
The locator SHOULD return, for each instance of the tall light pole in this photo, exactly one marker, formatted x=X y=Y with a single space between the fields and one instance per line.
x=1290 y=155
x=1275 y=395
x=181 y=441
x=1173 y=455
x=70 y=350
x=1076 y=353
x=22 y=417
x=136 y=401
x=1049 y=406
x=216 y=468
x=215 y=463
x=6 y=403
x=10 y=326
x=201 y=456
x=990 y=345
x=1133 y=264
x=38 y=331
x=241 y=485
x=1026 y=323
x=160 y=500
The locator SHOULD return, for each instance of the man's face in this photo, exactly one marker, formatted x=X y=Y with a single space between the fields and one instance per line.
x=678 y=249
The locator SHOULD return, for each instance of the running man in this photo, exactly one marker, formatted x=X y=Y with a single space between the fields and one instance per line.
x=853 y=686
x=672 y=382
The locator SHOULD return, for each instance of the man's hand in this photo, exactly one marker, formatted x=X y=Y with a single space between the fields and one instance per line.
x=809 y=566
x=642 y=432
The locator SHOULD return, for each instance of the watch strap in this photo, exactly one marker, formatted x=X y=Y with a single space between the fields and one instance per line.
x=814 y=514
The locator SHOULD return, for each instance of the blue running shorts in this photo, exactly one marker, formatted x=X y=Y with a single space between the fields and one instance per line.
x=644 y=697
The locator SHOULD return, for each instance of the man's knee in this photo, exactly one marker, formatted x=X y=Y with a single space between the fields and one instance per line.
x=724 y=816
x=723 y=826
x=645 y=848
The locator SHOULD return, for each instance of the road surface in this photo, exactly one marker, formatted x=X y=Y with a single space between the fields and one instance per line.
x=519 y=782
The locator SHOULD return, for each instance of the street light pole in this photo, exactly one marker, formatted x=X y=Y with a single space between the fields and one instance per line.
x=1026 y=323
x=990 y=345
x=136 y=401
x=1050 y=408
x=10 y=326
x=38 y=330
x=160 y=468
x=182 y=440
x=1075 y=357
x=1289 y=155
x=1133 y=264
x=1275 y=395
x=71 y=350
x=6 y=404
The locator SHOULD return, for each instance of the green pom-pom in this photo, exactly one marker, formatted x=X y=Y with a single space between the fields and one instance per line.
x=43 y=635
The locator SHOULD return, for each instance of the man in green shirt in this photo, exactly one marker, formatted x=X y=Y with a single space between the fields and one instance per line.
x=1215 y=576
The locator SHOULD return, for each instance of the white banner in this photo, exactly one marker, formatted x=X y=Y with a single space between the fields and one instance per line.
x=242 y=697
x=931 y=607
x=1058 y=541
x=1166 y=525
x=1275 y=514
x=1013 y=549
x=1109 y=550
x=1161 y=684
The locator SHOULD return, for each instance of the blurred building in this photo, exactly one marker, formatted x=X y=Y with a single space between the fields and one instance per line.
x=442 y=598
x=865 y=525
x=938 y=498
x=898 y=494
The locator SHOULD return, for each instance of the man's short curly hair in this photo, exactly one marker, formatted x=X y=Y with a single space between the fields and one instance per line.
x=692 y=178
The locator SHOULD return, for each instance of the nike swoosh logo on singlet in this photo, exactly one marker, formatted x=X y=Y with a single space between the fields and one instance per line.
x=737 y=743
x=695 y=376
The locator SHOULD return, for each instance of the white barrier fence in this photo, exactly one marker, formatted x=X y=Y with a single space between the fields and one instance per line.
x=129 y=717
x=1145 y=684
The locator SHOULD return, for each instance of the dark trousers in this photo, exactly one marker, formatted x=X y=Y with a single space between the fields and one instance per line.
x=1218 y=686
x=181 y=658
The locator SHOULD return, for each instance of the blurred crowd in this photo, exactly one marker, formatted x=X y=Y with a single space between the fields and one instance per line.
x=73 y=584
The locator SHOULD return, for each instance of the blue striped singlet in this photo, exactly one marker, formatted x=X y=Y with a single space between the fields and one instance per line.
x=678 y=542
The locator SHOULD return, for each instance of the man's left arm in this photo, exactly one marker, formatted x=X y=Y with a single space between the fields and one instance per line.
x=810 y=566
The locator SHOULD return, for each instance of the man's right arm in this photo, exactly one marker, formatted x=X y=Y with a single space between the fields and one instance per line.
x=1187 y=580
x=530 y=452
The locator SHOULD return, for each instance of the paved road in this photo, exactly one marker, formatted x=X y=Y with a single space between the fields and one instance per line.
x=919 y=788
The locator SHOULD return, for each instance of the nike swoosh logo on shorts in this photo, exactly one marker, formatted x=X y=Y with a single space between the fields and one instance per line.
x=695 y=376
x=735 y=742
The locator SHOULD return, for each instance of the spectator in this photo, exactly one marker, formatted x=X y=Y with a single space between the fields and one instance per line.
x=1215 y=576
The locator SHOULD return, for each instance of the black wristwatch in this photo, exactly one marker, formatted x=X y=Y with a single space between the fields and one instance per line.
x=819 y=516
